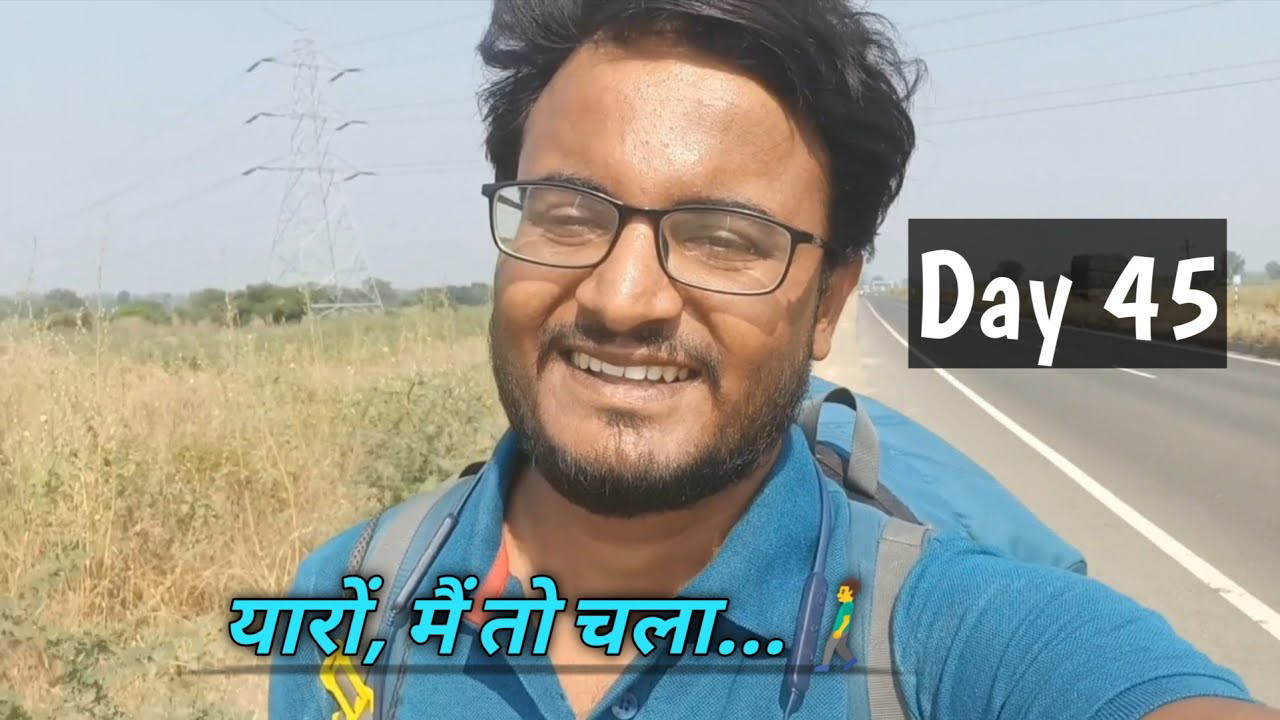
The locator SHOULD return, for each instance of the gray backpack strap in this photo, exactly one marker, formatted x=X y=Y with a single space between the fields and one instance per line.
x=862 y=473
x=384 y=553
x=900 y=546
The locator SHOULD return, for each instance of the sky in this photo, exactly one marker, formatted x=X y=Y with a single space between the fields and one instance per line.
x=123 y=137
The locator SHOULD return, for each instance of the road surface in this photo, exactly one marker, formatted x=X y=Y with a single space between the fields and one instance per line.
x=1190 y=457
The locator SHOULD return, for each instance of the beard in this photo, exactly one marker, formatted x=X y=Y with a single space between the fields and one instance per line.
x=609 y=482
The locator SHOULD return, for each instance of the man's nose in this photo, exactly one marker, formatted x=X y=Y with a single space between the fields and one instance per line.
x=630 y=289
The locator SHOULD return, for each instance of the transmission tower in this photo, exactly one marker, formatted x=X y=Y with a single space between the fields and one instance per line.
x=316 y=245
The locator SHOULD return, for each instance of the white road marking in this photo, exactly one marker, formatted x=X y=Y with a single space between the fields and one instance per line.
x=1139 y=373
x=1187 y=348
x=1245 y=602
x=1250 y=358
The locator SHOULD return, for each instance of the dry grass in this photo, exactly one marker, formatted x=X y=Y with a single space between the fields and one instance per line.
x=151 y=474
x=1255 y=320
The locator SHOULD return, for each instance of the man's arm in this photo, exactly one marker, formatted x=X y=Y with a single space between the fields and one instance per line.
x=841 y=626
x=977 y=634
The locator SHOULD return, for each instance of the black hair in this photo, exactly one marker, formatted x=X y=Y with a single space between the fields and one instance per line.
x=835 y=65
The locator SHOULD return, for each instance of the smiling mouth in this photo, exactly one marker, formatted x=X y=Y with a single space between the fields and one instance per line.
x=656 y=374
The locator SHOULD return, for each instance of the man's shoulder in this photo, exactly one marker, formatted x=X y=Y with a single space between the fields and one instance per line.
x=294 y=690
x=964 y=590
x=972 y=622
x=957 y=574
x=323 y=568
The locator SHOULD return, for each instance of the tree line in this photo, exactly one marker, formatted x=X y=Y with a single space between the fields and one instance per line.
x=1236 y=266
x=265 y=302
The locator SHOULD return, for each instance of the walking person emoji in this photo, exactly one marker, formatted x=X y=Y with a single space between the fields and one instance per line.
x=839 y=640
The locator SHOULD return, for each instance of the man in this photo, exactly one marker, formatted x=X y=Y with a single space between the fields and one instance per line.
x=651 y=364
x=839 y=640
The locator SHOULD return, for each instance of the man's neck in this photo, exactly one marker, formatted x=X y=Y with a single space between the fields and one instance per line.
x=590 y=555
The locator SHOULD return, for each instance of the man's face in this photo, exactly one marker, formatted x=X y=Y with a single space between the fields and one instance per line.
x=654 y=125
x=844 y=594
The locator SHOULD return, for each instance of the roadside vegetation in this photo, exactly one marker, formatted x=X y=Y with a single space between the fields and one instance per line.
x=152 y=471
x=1253 y=323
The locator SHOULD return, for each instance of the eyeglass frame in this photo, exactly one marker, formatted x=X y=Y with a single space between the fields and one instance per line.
x=655 y=216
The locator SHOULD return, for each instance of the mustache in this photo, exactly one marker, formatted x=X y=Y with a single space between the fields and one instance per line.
x=656 y=340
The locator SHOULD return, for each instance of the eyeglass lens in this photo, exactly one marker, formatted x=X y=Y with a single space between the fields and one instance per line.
x=719 y=250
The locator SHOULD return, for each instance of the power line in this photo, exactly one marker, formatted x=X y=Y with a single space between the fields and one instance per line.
x=427 y=170
x=140 y=217
x=1073 y=28
x=158 y=131
x=971 y=15
x=163 y=170
x=434 y=172
x=173 y=164
x=1102 y=86
x=419 y=120
x=1106 y=101
x=413 y=60
x=283 y=20
x=415 y=104
x=162 y=208
x=423 y=164
x=406 y=31
x=128 y=253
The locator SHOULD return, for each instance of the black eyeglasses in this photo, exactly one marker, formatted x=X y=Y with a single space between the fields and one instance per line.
x=719 y=249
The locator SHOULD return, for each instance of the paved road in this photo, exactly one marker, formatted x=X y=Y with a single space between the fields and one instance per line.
x=1195 y=452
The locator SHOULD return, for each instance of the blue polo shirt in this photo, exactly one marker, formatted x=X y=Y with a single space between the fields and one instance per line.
x=975 y=633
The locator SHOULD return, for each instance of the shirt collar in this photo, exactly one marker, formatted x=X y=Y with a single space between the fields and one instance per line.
x=478 y=535
x=764 y=562
x=760 y=569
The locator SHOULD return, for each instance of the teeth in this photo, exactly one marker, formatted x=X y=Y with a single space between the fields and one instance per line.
x=651 y=373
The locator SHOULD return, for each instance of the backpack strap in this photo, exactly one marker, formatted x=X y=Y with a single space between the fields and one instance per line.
x=901 y=544
x=383 y=545
x=860 y=473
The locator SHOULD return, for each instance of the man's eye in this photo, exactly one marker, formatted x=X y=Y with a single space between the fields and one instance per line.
x=722 y=245
x=559 y=217
x=572 y=222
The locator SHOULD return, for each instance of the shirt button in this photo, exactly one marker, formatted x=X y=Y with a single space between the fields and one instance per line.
x=626 y=707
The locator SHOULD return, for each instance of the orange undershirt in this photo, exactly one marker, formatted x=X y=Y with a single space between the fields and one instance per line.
x=491 y=587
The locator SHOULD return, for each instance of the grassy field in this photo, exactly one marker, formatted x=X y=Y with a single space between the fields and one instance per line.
x=1255 y=320
x=149 y=474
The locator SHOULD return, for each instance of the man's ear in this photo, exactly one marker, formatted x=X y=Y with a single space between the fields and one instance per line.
x=843 y=280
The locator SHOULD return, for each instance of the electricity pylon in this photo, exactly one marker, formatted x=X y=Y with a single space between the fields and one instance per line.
x=317 y=246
